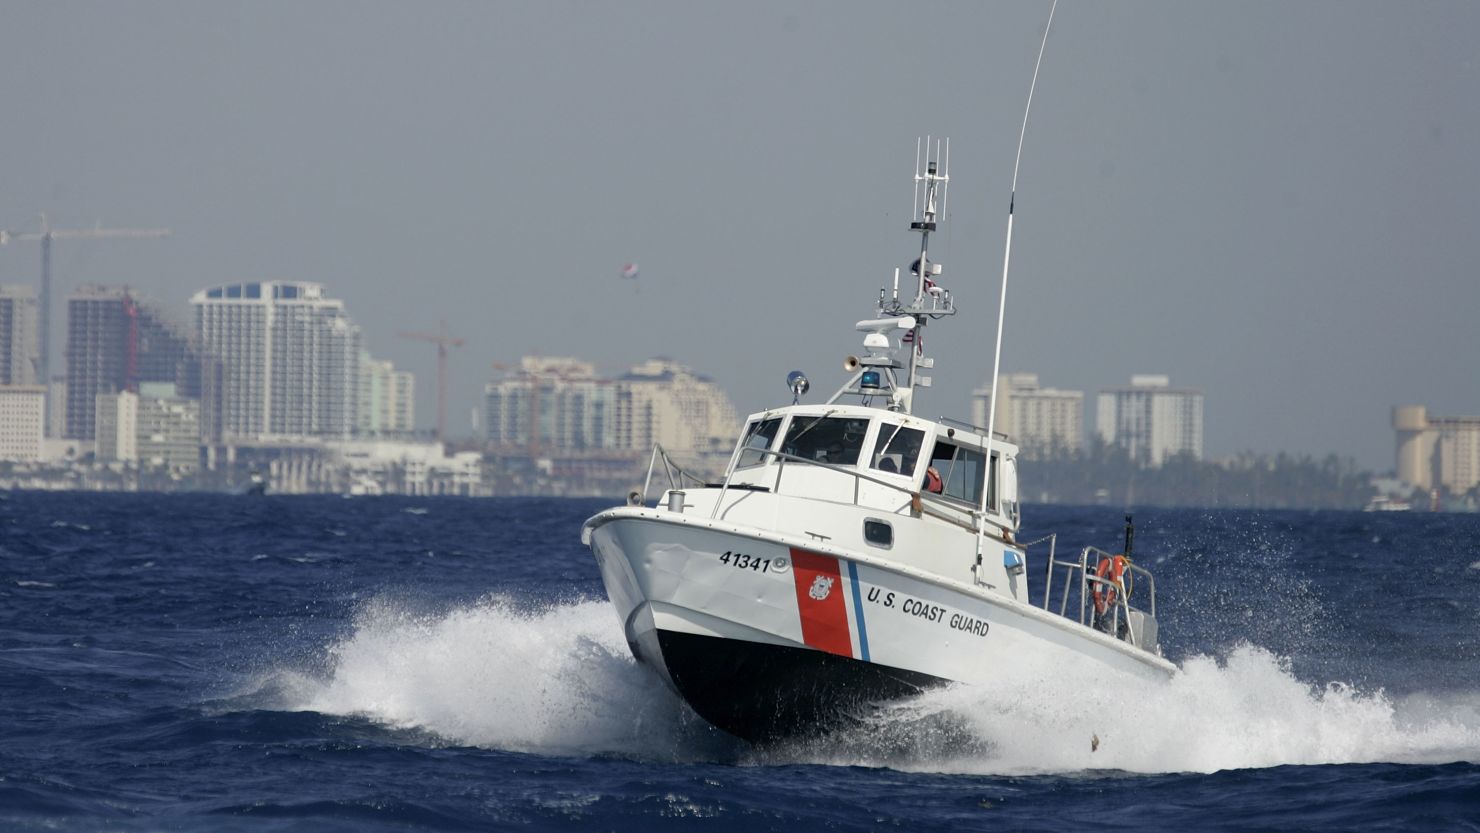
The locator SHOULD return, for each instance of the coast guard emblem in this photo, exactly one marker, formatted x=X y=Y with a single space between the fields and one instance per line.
x=821 y=586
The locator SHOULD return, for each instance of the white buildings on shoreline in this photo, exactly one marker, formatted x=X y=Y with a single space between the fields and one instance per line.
x=1042 y=421
x=560 y=407
x=1437 y=452
x=22 y=420
x=266 y=362
x=289 y=360
x=20 y=350
x=1149 y=418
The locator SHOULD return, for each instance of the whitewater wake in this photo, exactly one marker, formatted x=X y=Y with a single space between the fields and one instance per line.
x=556 y=680
x=559 y=680
x=1247 y=711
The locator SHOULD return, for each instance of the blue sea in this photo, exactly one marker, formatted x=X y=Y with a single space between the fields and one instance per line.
x=221 y=663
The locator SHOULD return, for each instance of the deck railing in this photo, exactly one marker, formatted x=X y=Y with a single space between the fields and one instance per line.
x=675 y=473
x=1118 y=615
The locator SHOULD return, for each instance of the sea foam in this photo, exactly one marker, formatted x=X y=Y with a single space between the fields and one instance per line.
x=555 y=680
x=560 y=680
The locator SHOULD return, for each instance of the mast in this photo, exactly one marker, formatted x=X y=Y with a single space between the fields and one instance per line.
x=931 y=185
x=883 y=371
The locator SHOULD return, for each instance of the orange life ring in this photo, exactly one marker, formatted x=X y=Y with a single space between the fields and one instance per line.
x=1110 y=569
x=932 y=481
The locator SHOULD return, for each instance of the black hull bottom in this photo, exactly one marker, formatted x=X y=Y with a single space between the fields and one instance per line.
x=764 y=693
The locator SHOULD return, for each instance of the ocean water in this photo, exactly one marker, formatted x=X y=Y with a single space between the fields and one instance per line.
x=202 y=662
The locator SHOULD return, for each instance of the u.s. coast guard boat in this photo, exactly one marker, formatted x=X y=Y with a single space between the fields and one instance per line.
x=855 y=552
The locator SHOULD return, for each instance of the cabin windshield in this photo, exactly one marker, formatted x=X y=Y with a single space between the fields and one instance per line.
x=897 y=449
x=837 y=441
x=758 y=438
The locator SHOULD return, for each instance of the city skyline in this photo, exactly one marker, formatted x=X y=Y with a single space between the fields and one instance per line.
x=138 y=368
x=1270 y=202
x=386 y=385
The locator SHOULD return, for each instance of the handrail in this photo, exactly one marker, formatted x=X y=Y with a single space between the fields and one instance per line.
x=916 y=497
x=783 y=456
x=672 y=470
x=1053 y=541
x=961 y=423
x=1070 y=568
x=1122 y=602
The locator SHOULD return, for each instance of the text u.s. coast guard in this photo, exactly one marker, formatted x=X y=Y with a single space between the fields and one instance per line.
x=929 y=612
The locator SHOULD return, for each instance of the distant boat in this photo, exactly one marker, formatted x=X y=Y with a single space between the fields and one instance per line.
x=255 y=485
x=1383 y=503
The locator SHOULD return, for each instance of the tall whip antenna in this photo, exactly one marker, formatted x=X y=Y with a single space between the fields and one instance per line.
x=1007 y=251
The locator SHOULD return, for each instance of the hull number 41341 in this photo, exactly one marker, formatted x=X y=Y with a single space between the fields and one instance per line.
x=741 y=561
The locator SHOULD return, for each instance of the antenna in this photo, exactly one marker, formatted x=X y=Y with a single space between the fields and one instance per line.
x=931 y=181
x=1007 y=251
x=875 y=374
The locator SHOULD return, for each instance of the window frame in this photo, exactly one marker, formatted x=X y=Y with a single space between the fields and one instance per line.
x=887 y=432
x=751 y=429
x=814 y=421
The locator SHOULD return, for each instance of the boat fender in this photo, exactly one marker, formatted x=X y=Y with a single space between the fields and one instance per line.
x=1110 y=569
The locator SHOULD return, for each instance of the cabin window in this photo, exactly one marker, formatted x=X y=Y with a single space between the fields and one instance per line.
x=758 y=438
x=992 y=490
x=1008 y=491
x=878 y=533
x=837 y=441
x=960 y=470
x=897 y=449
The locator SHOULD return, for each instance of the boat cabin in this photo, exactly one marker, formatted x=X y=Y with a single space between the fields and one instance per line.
x=880 y=459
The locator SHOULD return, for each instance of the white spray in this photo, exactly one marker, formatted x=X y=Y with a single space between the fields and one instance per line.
x=556 y=681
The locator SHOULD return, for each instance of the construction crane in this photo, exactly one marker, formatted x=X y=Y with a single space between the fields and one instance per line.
x=443 y=341
x=48 y=234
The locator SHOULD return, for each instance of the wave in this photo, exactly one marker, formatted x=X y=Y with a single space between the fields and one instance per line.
x=559 y=680
x=1247 y=711
x=556 y=680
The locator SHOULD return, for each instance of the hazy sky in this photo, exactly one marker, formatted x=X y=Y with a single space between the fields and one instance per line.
x=1277 y=203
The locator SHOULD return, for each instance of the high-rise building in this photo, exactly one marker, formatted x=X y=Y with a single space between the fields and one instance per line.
x=1151 y=419
x=115 y=340
x=555 y=405
x=289 y=359
x=1039 y=420
x=168 y=429
x=663 y=402
x=20 y=345
x=550 y=405
x=387 y=399
x=1437 y=451
x=56 y=407
x=116 y=431
x=21 y=421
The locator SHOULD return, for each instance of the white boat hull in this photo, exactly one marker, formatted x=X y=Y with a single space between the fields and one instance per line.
x=768 y=636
